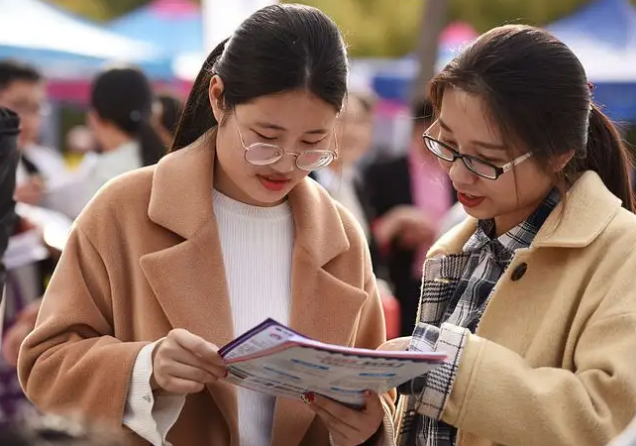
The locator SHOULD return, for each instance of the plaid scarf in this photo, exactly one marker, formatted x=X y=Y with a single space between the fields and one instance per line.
x=455 y=292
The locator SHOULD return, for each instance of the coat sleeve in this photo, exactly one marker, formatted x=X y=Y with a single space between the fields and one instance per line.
x=72 y=361
x=499 y=396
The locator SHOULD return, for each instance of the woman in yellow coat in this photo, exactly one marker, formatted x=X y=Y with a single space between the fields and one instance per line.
x=534 y=296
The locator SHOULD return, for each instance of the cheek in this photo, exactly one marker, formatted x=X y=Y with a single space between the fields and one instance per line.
x=445 y=165
x=230 y=155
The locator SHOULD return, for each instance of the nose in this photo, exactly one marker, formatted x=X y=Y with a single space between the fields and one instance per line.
x=285 y=165
x=459 y=173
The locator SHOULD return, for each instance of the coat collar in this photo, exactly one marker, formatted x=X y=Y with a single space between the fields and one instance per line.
x=181 y=201
x=188 y=275
x=575 y=223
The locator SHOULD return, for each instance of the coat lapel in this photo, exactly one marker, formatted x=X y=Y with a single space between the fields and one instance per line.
x=188 y=278
x=323 y=307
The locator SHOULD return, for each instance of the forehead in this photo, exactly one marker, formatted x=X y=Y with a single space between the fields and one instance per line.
x=468 y=117
x=295 y=110
x=20 y=90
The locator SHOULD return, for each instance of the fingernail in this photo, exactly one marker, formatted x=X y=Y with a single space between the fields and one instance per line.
x=367 y=394
x=308 y=398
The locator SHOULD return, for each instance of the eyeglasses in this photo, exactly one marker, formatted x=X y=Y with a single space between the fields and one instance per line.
x=30 y=109
x=264 y=154
x=478 y=166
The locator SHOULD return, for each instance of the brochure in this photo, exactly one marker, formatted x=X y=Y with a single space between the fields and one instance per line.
x=273 y=359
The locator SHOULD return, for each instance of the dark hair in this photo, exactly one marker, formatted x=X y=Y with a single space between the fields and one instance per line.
x=538 y=95
x=123 y=96
x=422 y=110
x=171 y=109
x=366 y=99
x=12 y=71
x=278 y=48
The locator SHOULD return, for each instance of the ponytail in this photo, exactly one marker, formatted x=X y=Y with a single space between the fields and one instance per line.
x=197 y=117
x=608 y=156
x=152 y=147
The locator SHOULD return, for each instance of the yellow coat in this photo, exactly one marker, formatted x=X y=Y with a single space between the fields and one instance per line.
x=553 y=362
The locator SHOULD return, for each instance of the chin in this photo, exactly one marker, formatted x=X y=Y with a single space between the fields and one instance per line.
x=268 y=198
x=479 y=212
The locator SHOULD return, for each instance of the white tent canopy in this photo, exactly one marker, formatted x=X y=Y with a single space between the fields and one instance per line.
x=32 y=28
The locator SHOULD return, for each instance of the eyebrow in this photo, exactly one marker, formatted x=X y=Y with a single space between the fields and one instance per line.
x=269 y=125
x=485 y=145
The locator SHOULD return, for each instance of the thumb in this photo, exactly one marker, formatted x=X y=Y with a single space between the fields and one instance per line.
x=372 y=401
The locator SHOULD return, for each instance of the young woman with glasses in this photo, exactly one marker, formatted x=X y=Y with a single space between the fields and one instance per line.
x=170 y=262
x=533 y=297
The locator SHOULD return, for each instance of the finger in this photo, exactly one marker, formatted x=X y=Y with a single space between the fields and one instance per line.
x=199 y=346
x=183 y=386
x=178 y=354
x=340 y=431
x=339 y=412
x=189 y=373
x=373 y=403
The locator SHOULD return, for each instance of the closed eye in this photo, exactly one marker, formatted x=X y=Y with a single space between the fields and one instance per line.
x=267 y=138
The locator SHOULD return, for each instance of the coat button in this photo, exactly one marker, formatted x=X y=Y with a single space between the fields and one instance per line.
x=519 y=272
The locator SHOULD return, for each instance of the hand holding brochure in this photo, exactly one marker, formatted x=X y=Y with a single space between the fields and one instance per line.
x=275 y=360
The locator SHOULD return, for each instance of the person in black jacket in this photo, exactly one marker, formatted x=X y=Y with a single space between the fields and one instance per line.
x=9 y=156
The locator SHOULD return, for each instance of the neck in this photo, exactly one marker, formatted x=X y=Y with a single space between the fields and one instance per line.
x=506 y=222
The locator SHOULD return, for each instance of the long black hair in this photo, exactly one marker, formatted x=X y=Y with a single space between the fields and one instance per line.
x=123 y=96
x=279 y=48
x=538 y=94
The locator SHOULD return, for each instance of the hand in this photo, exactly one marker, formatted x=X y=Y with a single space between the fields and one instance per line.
x=408 y=224
x=396 y=345
x=15 y=336
x=417 y=231
x=348 y=427
x=31 y=191
x=184 y=363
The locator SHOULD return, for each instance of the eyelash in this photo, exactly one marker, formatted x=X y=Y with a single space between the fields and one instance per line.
x=485 y=158
x=266 y=138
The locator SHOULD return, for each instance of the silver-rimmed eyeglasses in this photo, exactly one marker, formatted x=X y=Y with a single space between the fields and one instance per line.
x=265 y=154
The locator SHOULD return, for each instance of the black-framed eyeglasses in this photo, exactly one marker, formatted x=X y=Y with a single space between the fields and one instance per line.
x=265 y=154
x=476 y=165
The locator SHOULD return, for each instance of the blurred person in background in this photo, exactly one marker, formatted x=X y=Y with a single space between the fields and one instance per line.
x=121 y=102
x=80 y=141
x=167 y=110
x=9 y=158
x=409 y=196
x=120 y=117
x=344 y=181
x=23 y=90
x=10 y=393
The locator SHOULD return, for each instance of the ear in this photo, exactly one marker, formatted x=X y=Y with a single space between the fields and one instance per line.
x=215 y=91
x=93 y=120
x=559 y=162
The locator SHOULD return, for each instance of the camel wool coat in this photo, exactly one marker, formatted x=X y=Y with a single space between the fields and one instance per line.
x=553 y=361
x=145 y=257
